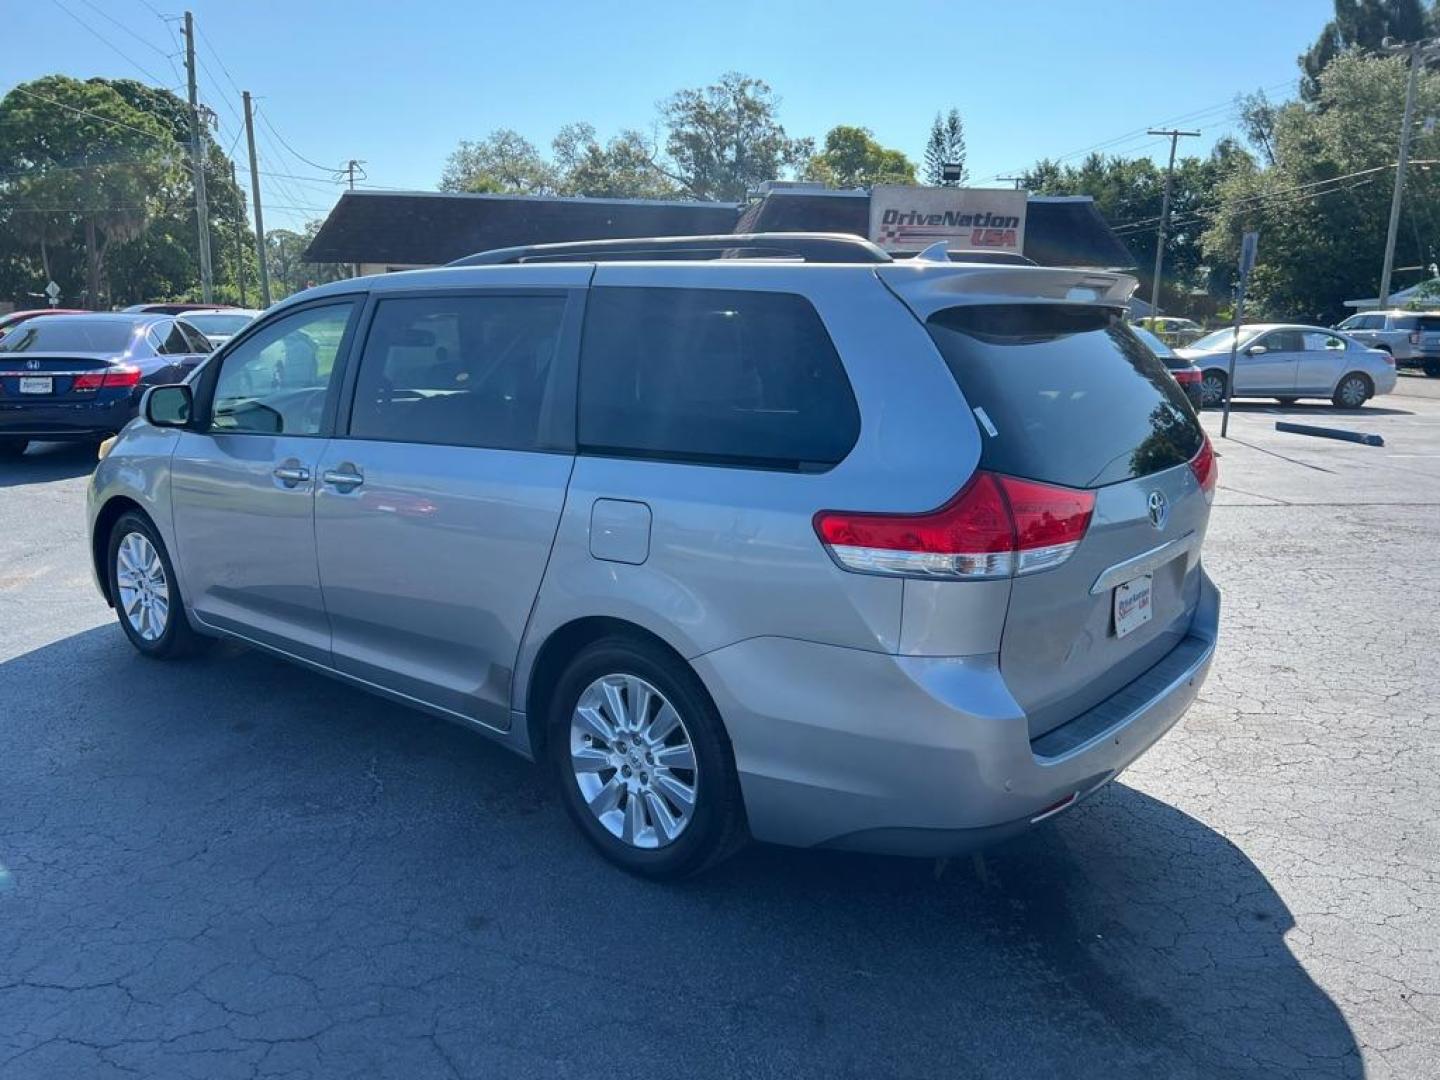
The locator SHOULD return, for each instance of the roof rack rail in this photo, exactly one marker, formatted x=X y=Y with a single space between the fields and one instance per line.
x=801 y=247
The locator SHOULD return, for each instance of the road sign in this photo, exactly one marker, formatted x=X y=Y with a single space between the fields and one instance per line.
x=52 y=291
x=1248 y=244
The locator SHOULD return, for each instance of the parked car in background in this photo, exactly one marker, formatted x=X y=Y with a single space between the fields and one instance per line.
x=1184 y=372
x=15 y=318
x=1412 y=337
x=1172 y=330
x=1289 y=362
x=167 y=308
x=737 y=545
x=221 y=324
x=81 y=376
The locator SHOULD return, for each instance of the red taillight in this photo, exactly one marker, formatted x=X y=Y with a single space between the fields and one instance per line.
x=1187 y=376
x=1205 y=468
x=112 y=378
x=995 y=527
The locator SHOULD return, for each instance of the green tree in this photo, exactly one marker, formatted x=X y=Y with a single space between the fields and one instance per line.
x=1129 y=193
x=1362 y=25
x=79 y=153
x=504 y=162
x=852 y=158
x=1323 y=207
x=623 y=168
x=724 y=139
x=946 y=146
x=289 y=270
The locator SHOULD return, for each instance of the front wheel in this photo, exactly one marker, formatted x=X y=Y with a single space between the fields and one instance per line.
x=1352 y=391
x=1287 y=401
x=1212 y=389
x=643 y=762
x=143 y=588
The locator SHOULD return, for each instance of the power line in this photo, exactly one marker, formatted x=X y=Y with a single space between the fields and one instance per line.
x=95 y=116
x=265 y=119
x=111 y=45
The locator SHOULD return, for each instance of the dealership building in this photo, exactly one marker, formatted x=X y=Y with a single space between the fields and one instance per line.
x=381 y=231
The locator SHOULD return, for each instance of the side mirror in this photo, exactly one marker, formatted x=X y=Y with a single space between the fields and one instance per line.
x=1256 y=350
x=168 y=406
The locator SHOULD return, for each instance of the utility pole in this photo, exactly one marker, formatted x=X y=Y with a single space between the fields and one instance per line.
x=1165 y=214
x=1420 y=53
x=255 y=193
x=239 y=236
x=197 y=160
x=350 y=167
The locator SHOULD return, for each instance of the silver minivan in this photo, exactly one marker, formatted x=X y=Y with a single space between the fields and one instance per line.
x=801 y=544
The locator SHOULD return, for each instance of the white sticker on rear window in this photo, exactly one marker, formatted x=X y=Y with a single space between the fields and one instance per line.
x=986 y=422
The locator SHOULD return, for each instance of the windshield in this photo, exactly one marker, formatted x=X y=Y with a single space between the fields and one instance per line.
x=215 y=322
x=1218 y=339
x=1158 y=347
x=58 y=334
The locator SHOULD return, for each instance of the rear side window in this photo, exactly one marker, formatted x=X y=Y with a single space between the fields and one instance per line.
x=458 y=370
x=1404 y=322
x=713 y=376
x=1428 y=324
x=1065 y=394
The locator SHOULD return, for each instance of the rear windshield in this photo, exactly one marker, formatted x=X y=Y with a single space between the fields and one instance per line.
x=1428 y=324
x=59 y=334
x=1065 y=394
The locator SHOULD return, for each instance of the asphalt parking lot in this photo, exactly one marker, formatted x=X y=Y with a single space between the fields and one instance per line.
x=231 y=868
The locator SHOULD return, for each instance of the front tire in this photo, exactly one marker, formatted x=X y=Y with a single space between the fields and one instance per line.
x=144 y=590
x=643 y=763
x=1352 y=391
x=1287 y=401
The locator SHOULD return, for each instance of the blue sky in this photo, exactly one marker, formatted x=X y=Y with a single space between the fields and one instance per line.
x=397 y=85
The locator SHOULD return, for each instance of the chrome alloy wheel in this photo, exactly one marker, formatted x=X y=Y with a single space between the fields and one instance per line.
x=144 y=592
x=633 y=761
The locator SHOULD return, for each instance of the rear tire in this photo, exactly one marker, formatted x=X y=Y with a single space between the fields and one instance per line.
x=144 y=590
x=1352 y=391
x=1212 y=389
x=1287 y=401
x=13 y=449
x=609 y=714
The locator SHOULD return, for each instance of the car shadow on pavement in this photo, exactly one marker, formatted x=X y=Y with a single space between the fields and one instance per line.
x=233 y=857
x=44 y=463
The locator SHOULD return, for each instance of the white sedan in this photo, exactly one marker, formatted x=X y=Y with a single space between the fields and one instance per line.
x=1289 y=361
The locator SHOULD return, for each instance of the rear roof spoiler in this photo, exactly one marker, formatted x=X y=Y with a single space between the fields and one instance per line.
x=800 y=247
x=927 y=287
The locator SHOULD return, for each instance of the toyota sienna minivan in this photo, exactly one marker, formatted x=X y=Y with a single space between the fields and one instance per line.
x=765 y=536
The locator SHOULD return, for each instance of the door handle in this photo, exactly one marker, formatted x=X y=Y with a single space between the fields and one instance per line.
x=290 y=475
x=345 y=478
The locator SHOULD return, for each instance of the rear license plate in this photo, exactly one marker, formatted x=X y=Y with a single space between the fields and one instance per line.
x=30 y=384
x=1132 y=604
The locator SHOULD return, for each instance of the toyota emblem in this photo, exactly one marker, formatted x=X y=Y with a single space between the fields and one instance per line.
x=1159 y=508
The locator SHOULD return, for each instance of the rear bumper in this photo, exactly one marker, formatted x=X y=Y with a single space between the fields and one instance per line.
x=922 y=755
x=55 y=420
x=1385 y=381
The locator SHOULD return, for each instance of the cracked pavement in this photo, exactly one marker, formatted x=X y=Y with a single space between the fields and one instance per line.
x=229 y=867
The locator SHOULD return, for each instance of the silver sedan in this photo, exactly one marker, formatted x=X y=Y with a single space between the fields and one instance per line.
x=1289 y=361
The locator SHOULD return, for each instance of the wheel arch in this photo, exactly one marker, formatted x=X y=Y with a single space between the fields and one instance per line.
x=560 y=647
x=113 y=510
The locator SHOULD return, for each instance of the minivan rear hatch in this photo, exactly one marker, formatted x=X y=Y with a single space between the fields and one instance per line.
x=1064 y=394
